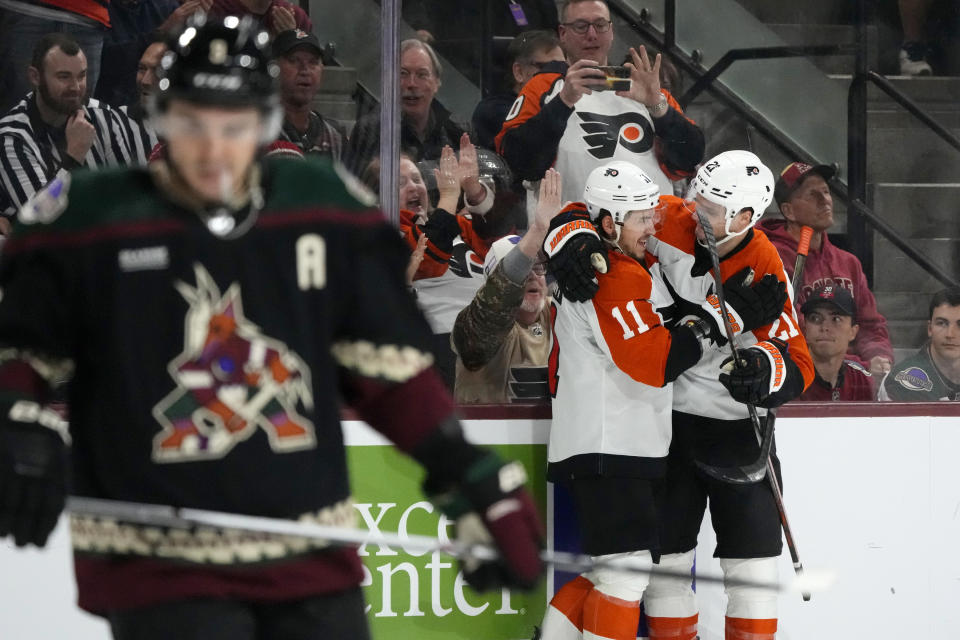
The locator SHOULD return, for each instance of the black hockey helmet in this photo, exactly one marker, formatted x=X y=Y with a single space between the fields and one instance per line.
x=220 y=62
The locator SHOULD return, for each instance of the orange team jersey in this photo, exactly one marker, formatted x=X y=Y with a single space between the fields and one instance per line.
x=611 y=406
x=436 y=257
x=698 y=390
x=602 y=127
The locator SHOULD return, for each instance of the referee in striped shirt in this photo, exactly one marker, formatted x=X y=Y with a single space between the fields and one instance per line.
x=55 y=128
x=139 y=134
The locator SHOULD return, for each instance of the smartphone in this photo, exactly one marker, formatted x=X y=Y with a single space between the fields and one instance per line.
x=617 y=79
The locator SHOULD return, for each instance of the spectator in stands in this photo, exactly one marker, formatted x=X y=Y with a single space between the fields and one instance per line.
x=426 y=127
x=933 y=373
x=24 y=22
x=804 y=198
x=298 y=54
x=830 y=325
x=134 y=24
x=526 y=55
x=563 y=118
x=915 y=49
x=141 y=137
x=55 y=128
x=502 y=338
x=283 y=148
x=451 y=269
x=275 y=16
x=455 y=28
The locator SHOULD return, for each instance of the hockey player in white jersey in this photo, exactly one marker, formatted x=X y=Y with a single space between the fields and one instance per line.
x=732 y=189
x=612 y=365
x=710 y=420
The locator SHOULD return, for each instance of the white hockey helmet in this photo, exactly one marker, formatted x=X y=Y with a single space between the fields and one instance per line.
x=735 y=180
x=619 y=187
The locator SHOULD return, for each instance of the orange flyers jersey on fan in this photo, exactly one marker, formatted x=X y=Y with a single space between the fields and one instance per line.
x=436 y=257
x=676 y=251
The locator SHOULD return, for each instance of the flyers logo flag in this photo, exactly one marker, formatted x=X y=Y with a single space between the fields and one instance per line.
x=231 y=380
x=603 y=133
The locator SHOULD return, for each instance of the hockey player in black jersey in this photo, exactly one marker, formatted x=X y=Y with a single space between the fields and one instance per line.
x=210 y=312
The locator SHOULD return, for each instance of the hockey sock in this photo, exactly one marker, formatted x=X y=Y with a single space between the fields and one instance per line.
x=672 y=628
x=564 y=617
x=670 y=602
x=751 y=610
x=607 y=617
x=750 y=629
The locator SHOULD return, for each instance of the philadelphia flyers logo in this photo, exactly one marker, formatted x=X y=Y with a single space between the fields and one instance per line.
x=603 y=133
x=753 y=171
x=611 y=172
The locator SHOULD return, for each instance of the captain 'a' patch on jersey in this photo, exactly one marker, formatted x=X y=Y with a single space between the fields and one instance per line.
x=602 y=133
x=231 y=380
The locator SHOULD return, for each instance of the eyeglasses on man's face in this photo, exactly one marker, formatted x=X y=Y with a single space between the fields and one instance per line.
x=580 y=27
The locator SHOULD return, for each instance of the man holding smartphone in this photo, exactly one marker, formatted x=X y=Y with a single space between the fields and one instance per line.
x=565 y=117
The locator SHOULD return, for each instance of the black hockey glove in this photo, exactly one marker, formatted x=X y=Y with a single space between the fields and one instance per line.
x=749 y=306
x=575 y=251
x=763 y=372
x=758 y=304
x=32 y=477
x=491 y=505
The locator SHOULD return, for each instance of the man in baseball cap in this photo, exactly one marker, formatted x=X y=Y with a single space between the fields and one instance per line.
x=830 y=326
x=803 y=194
x=298 y=54
x=287 y=41
x=793 y=176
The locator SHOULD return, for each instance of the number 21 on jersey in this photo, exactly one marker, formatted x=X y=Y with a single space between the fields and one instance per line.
x=789 y=328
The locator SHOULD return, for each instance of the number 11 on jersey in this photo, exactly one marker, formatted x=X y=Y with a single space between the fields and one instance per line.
x=627 y=331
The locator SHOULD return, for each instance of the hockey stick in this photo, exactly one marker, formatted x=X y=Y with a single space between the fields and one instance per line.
x=746 y=474
x=755 y=471
x=771 y=416
x=154 y=515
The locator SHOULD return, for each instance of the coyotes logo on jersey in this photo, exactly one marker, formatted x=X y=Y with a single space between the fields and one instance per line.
x=231 y=380
x=605 y=132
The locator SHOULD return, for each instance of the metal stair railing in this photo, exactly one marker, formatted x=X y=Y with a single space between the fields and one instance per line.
x=853 y=193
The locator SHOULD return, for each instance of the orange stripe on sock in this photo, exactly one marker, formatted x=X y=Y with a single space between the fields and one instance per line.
x=672 y=628
x=569 y=600
x=610 y=617
x=751 y=629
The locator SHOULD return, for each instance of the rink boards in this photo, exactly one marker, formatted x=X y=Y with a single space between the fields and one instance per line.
x=877 y=499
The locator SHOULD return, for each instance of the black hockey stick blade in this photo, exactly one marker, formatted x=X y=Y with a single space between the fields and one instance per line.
x=747 y=474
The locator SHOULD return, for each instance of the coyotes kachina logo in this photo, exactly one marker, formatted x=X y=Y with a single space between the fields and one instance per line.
x=231 y=380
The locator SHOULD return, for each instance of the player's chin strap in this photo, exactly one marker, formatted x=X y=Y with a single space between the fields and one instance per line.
x=155 y=515
x=229 y=219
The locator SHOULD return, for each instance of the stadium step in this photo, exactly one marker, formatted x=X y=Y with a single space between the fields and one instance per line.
x=828 y=34
x=894 y=271
x=335 y=99
x=810 y=12
x=919 y=210
x=907 y=334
